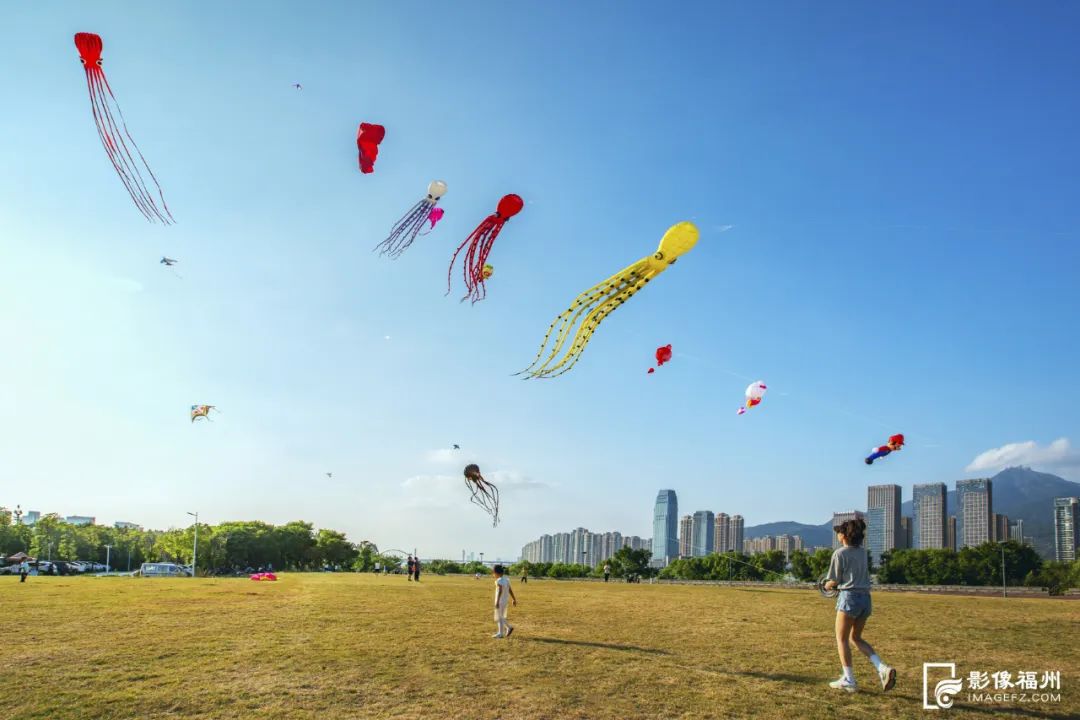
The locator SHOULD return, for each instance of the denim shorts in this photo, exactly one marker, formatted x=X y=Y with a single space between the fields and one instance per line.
x=855 y=603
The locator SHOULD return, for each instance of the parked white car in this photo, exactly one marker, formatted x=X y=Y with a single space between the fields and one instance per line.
x=163 y=570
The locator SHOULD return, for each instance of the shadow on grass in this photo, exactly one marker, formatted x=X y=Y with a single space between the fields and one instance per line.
x=602 y=646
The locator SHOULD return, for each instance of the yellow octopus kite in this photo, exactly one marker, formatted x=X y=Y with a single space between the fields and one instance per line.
x=599 y=301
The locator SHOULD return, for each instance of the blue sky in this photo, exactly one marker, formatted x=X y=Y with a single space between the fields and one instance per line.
x=901 y=183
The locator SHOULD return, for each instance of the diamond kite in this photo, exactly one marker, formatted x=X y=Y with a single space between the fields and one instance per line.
x=201 y=411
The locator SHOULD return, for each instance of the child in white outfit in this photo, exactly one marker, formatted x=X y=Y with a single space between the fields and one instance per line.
x=504 y=595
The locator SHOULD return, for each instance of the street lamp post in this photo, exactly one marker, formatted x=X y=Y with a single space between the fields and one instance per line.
x=195 y=549
x=481 y=558
x=1003 y=593
x=108 y=550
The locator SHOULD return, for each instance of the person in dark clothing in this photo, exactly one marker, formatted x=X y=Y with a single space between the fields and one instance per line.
x=416 y=569
x=607 y=571
x=409 y=568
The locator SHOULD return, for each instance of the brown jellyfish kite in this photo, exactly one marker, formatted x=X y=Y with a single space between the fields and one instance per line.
x=484 y=494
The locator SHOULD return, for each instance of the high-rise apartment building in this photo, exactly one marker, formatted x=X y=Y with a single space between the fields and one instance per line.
x=702 y=532
x=882 y=519
x=722 y=533
x=950 y=533
x=686 y=536
x=974 y=512
x=665 y=537
x=905 y=539
x=840 y=517
x=1066 y=528
x=929 y=525
x=1016 y=531
x=735 y=533
x=1000 y=524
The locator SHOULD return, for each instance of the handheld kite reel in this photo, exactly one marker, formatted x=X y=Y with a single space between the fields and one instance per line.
x=823 y=590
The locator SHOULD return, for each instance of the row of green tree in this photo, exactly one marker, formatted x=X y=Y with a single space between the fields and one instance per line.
x=231 y=545
x=980 y=565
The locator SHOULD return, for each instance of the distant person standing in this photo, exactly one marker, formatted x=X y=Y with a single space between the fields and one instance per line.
x=409 y=568
x=607 y=571
x=504 y=594
x=416 y=569
x=24 y=570
x=525 y=575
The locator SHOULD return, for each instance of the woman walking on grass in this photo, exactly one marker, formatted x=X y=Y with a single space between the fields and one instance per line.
x=848 y=571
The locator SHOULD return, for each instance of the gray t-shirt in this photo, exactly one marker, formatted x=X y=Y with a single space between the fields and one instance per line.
x=848 y=568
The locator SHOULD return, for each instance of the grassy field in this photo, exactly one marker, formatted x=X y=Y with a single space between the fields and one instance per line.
x=351 y=646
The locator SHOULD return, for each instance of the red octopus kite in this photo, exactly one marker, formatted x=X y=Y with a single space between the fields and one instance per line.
x=480 y=241
x=112 y=129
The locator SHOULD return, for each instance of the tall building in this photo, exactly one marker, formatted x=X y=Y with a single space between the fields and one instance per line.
x=1001 y=527
x=974 y=512
x=753 y=546
x=882 y=519
x=579 y=546
x=904 y=541
x=735 y=533
x=928 y=529
x=1066 y=530
x=840 y=517
x=665 y=538
x=722 y=533
x=686 y=536
x=1016 y=531
x=950 y=533
x=561 y=547
x=788 y=544
x=31 y=517
x=79 y=520
x=704 y=527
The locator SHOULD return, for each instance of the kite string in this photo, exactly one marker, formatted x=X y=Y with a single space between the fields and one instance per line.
x=167 y=218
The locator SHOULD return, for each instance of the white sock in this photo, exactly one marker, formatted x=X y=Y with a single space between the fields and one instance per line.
x=849 y=674
x=876 y=662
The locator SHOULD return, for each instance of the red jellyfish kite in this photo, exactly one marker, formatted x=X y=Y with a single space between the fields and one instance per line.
x=480 y=241
x=368 y=138
x=124 y=154
x=663 y=355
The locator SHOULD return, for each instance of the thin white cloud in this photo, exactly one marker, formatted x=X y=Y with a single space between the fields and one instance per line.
x=722 y=228
x=444 y=456
x=1058 y=454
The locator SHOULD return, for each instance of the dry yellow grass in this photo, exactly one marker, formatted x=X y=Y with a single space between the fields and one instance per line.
x=351 y=646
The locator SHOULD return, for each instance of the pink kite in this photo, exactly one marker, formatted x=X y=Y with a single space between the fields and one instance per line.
x=368 y=138
x=435 y=216
x=263 y=576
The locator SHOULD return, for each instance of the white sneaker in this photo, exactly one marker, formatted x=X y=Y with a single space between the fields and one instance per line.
x=888 y=677
x=844 y=684
x=497 y=635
